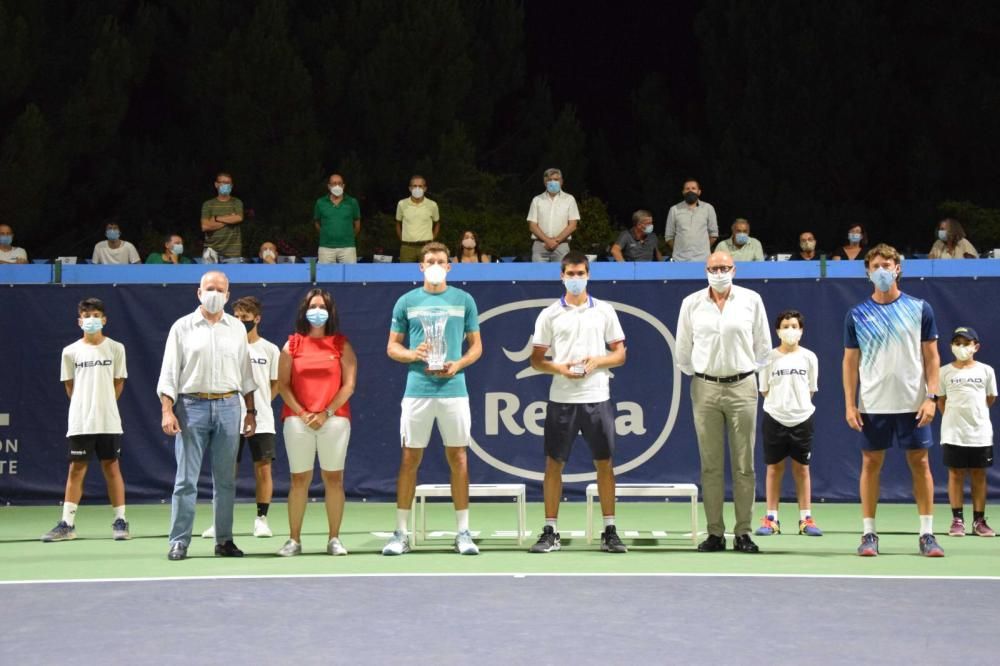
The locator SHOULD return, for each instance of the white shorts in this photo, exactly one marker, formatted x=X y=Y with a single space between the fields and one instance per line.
x=337 y=255
x=454 y=421
x=303 y=444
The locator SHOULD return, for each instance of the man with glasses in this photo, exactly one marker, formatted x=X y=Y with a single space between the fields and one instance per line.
x=723 y=338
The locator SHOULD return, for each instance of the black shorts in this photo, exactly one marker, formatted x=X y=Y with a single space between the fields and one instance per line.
x=594 y=420
x=967 y=457
x=82 y=447
x=781 y=441
x=261 y=447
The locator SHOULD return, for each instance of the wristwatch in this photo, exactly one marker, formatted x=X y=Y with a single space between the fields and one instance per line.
x=932 y=396
x=252 y=411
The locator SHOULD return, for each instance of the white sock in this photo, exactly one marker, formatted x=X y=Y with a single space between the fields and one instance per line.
x=462 y=518
x=69 y=513
x=119 y=512
x=403 y=520
x=804 y=513
x=772 y=514
x=869 y=525
x=551 y=522
x=926 y=525
x=609 y=520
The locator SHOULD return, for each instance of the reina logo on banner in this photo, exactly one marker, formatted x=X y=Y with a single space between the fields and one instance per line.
x=509 y=398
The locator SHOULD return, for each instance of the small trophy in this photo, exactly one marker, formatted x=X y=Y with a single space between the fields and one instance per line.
x=578 y=368
x=434 y=322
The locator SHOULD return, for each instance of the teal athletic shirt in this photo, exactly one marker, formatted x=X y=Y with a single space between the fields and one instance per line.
x=463 y=318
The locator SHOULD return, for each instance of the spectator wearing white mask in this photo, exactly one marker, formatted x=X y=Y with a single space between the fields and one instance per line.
x=337 y=217
x=268 y=253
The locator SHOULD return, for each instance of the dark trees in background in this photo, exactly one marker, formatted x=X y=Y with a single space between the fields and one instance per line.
x=806 y=115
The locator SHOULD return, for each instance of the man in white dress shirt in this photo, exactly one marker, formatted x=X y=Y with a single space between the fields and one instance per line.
x=552 y=218
x=722 y=340
x=206 y=366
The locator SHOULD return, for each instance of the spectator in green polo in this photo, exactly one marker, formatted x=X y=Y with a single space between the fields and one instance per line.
x=173 y=252
x=221 y=218
x=337 y=217
x=417 y=221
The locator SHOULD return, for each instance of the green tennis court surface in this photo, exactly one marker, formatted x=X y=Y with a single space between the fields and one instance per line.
x=94 y=555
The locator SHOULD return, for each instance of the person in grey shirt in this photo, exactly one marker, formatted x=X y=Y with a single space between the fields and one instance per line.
x=692 y=227
x=638 y=243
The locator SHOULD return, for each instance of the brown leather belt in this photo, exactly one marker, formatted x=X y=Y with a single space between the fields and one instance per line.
x=212 y=396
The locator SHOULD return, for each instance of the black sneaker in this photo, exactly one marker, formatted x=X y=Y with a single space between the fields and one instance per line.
x=744 y=544
x=548 y=541
x=227 y=549
x=712 y=544
x=610 y=543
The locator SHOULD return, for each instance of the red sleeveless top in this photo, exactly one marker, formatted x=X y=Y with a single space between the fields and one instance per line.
x=316 y=374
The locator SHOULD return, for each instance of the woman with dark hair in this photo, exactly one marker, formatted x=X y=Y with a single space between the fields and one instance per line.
x=316 y=376
x=857 y=244
x=471 y=252
x=951 y=242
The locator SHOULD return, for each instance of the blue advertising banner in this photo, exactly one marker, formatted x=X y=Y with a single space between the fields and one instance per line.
x=656 y=440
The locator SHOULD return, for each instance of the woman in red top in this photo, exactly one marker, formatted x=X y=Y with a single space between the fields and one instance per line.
x=316 y=374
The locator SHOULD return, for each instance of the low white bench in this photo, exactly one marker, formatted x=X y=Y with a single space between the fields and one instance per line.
x=515 y=490
x=688 y=490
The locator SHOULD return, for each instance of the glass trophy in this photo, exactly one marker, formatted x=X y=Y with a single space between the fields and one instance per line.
x=434 y=321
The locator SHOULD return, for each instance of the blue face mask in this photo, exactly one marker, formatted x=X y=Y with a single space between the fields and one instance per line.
x=854 y=238
x=553 y=186
x=882 y=279
x=942 y=234
x=112 y=234
x=6 y=239
x=648 y=229
x=575 y=286
x=91 y=325
x=225 y=189
x=177 y=248
x=742 y=239
x=317 y=316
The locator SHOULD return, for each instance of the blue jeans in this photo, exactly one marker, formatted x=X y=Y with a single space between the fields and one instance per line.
x=212 y=424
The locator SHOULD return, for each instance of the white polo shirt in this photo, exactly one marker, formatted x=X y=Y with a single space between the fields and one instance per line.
x=722 y=343
x=966 y=420
x=553 y=213
x=93 y=408
x=123 y=254
x=789 y=381
x=575 y=332
x=264 y=365
x=12 y=255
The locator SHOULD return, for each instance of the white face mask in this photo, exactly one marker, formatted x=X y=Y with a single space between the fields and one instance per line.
x=720 y=282
x=337 y=190
x=435 y=274
x=808 y=246
x=417 y=192
x=212 y=301
x=268 y=254
x=963 y=352
x=469 y=243
x=790 y=336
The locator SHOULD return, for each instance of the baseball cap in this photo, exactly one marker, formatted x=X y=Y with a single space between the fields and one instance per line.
x=966 y=332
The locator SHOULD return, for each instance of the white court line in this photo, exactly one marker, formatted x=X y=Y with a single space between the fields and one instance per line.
x=158 y=579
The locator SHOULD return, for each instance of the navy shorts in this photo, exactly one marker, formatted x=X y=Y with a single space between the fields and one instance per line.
x=594 y=420
x=881 y=430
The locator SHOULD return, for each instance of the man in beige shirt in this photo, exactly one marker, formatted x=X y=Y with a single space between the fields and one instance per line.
x=418 y=221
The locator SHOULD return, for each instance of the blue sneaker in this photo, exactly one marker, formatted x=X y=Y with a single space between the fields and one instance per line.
x=61 y=532
x=119 y=530
x=808 y=527
x=768 y=527
x=869 y=545
x=929 y=546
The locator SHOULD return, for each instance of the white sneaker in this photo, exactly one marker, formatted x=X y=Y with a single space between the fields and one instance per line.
x=335 y=547
x=291 y=547
x=397 y=545
x=464 y=545
x=261 y=528
x=209 y=533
